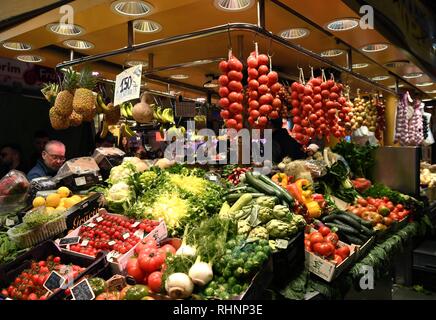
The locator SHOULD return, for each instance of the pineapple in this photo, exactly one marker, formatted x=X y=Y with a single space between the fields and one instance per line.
x=88 y=116
x=64 y=100
x=57 y=121
x=75 y=119
x=84 y=99
x=50 y=91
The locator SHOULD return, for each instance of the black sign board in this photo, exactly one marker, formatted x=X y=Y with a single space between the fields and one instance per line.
x=54 y=281
x=80 y=213
x=82 y=291
x=70 y=240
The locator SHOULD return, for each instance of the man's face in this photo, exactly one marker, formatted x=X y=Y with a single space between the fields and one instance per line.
x=6 y=156
x=54 y=157
x=40 y=144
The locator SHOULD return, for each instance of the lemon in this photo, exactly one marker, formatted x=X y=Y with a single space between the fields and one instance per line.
x=64 y=192
x=53 y=200
x=76 y=199
x=38 y=202
x=61 y=208
x=49 y=209
x=68 y=203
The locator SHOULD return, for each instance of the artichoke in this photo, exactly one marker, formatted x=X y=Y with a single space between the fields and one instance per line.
x=299 y=221
x=258 y=233
x=281 y=212
x=265 y=214
x=280 y=229
x=243 y=227
x=266 y=201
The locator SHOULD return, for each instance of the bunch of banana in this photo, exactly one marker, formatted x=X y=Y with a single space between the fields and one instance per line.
x=176 y=132
x=163 y=115
x=126 y=131
x=200 y=119
x=126 y=110
x=105 y=129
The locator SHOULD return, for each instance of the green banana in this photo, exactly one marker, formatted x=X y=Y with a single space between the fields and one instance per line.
x=123 y=110
x=129 y=109
x=104 y=130
x=129 y=132
x=101 y=105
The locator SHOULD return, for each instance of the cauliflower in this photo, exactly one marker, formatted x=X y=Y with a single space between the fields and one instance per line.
x=121 y=173
x=117 y=195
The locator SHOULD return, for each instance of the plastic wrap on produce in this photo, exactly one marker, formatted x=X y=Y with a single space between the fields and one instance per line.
x=77 y=166
x=100 y=153
x=13 y=191
x=317 y=168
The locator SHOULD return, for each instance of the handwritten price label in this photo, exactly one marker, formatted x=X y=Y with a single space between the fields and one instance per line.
x=128 y=85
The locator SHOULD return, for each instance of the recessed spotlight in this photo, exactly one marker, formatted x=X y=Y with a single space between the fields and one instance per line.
x=79 y=44
x=432 y=91
x=424 y=84
x=131 y=8
x=413 y=75
x=17 y=46
x=426 y=100
x=146 y=26
x=360 y=65
x=399 y=86
x=343 y=24
x=211 y=84
x=133 y=63
x=375 y=47
x=233 y=5
x=294 y=33
x=396 y=64
x=332 y=53
x=179 y=76
x=30 y=58
x=95 y=73
x=380 y=78
x=65 y=29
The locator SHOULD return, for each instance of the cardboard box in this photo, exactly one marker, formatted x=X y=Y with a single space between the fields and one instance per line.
x=119 y=261
x=325 y=269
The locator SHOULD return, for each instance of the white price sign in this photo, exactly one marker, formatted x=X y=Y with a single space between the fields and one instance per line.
x=128 y=85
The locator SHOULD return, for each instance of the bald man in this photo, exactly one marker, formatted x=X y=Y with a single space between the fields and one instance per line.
x=53 y=157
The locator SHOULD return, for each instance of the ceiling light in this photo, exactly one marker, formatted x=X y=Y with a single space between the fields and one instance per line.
x=375 y=47
x=413 y=75
x=30 y=58
x=332 y=53
x=179 y=76
x=380 y=78
x=65 y=29
x=399 y=86
x=294 y=33
x=95 y=73
x=131 y=8
x=343 y=24
x=426 y=100
x=133 y=63
x=360 y=65
x=396 y=64
x=146 y=26
x=17 y=46
x=211 y=84
x=79 y=44
x=424 y=84
x=432 y=91
x=233 y=5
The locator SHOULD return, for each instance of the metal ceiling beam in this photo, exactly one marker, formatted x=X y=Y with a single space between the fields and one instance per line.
x=217 y=30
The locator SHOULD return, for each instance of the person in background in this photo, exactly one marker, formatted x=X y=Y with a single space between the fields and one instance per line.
x=53 y=157
x=283 y=145
x=10 y=158
x=107 y=142
x=40 y=138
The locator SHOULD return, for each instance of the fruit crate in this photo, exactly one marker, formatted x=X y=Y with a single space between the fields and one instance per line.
x=287 y=260
x=83 y=211
x=362 y=250
x=37 y=235
x=8 y=272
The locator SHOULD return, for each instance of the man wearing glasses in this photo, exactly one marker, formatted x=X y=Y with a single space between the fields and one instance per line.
x=53 y=157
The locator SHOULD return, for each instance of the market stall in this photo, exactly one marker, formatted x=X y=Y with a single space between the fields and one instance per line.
x=202 y=219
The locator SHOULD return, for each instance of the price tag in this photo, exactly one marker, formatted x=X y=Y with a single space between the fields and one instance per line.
x=80 y=181
x=111 y=243
x=116 y=283
x=99 y=219
x=136 y=224
x=70 y=240
x=84 y=243
x=159 y=233
x=213 y=178
x=126 y=235
x=128 y=85
x=139 y=233
x=9 y=222
x=91 y=225
x=281 y=244
x=54 y=281
x=82 y=291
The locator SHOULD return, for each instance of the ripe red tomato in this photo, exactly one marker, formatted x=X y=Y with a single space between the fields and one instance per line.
x=343 y=252
x=337 y=259
x=316 y=237
x=168 y=248
x=324 y=230
x=154 y=281
x=134 y=270
x=32 y=296
x=332 y=238
x=152 y=261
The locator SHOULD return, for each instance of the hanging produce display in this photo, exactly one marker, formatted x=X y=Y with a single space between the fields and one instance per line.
x=230 y=92
x=381 y=121
x=409 y=125
x=365 y=113
x=318 y=109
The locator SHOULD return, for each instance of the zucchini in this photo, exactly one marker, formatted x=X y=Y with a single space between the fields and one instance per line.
x=259 y=185
x=241 y=202
x=234 y=197
x=329 y=218
x=351 y=240
x=282 y=194
x=342 y=227
x=240 y=190
x=364 y=222
x=349 y=221
x=224 y=209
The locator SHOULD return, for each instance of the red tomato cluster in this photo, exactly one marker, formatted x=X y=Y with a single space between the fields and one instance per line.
x=263 y=88
x=149 y=263
x=111 y=233
x=325 y=243
x=230 y=92
x=29 y=284
x=318 y=109
x=381 y=120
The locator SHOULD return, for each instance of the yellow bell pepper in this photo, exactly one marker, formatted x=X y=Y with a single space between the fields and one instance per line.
x=313 y=209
